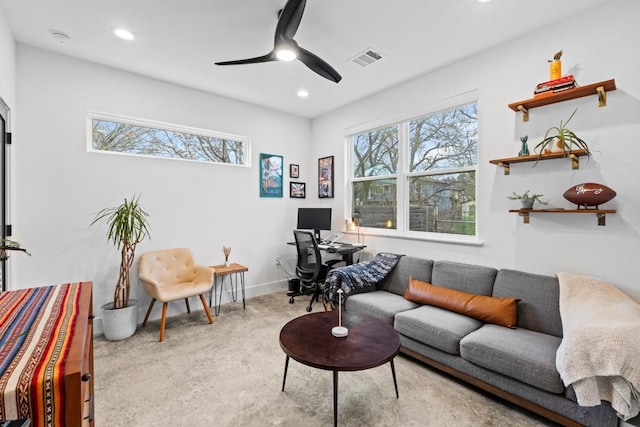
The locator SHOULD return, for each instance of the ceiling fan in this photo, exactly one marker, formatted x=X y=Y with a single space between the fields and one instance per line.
x=285 y=47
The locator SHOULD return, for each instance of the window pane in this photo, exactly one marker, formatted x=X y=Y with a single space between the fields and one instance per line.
x=375 y=153
x=447 y=139
x=141 y=140
x=443 y=203
x=374 y=203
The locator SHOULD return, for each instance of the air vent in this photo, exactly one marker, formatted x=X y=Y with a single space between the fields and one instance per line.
x=367 y=57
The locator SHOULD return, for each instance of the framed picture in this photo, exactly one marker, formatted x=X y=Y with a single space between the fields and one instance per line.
x=325 y=177
x=271 y=171
x=294 y=171
x=297 y=190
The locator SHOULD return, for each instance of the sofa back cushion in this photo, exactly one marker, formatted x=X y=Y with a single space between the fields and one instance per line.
x=539 y=308
x=489 y=309
x=474 y=279
x=396 y=282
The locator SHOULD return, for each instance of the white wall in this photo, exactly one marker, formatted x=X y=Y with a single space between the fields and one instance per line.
x=196 y=205
x=7 y=63
x=598 y=46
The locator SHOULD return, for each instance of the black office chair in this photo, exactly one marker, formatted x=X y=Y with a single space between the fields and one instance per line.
x=310 y=269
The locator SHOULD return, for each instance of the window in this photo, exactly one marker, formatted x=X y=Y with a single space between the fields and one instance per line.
x=417 y=176
x=145 y=138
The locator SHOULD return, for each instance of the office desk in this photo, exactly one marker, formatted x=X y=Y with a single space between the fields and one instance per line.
x=345 y=250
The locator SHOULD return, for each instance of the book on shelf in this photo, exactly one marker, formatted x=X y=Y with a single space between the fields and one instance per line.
x=562 y=80
x=554 y=86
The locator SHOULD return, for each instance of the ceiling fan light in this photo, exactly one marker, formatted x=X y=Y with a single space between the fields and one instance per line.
x=286 y=54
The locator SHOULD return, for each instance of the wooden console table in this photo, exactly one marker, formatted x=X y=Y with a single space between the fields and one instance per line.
x=46 y=362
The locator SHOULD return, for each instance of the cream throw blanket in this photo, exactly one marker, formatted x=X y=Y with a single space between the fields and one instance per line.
x=600 y=350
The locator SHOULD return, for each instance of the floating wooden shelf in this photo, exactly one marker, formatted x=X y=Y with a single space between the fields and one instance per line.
x=600 y=213
x=600 y=89
x=573 y=155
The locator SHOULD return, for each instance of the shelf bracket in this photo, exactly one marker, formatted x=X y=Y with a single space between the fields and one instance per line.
x=602 y=96
x=575 y=161
x=505 y=166
x=525 y=113
x=525 y=217
x=601 y=219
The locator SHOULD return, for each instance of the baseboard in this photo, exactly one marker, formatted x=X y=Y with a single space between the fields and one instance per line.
x=174 y=309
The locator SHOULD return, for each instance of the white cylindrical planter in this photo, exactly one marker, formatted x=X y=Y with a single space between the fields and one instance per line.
x=121 y=323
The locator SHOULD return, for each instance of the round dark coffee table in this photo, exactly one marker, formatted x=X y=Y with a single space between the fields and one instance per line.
x=370 y=343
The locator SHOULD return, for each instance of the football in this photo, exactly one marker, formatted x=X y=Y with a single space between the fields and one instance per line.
x=589 y=194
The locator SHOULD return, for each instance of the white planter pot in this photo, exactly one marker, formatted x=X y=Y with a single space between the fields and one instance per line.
x=121 y=323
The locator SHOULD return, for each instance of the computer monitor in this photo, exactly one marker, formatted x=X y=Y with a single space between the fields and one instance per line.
x=315 y=219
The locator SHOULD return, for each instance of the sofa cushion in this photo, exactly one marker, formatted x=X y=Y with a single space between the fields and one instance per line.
x=539 y=309
x=396 y=282
x=436 y=327
x=501 y=311
x=474 y=279
x=380 y=304
x=525 y=355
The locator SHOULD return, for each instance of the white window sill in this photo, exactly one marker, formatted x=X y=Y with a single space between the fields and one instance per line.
x=431 y=237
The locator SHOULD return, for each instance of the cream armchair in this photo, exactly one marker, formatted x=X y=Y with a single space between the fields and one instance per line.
x=171 y=275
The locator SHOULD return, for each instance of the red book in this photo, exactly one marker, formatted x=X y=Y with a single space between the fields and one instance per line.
x=566 y=79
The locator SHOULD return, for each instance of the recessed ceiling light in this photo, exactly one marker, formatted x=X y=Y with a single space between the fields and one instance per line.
x=302 y=93
x=123 y=34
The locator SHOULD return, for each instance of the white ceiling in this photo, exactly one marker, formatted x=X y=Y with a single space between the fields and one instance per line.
x=179 y=40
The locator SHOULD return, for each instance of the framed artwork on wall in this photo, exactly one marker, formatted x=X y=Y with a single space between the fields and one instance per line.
x=271 y=171
x=297 y=190
x=325 y=177
x=294 y=171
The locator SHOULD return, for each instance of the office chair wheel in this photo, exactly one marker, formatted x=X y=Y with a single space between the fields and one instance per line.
x=309 y=308
x=291 y=300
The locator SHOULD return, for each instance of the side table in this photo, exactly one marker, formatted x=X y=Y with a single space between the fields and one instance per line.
x=221 y=271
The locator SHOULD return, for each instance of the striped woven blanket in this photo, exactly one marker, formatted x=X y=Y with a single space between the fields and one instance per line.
x=357 y=277
x=36 y=327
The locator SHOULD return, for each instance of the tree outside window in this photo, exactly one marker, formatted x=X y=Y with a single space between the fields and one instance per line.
x=128 y=138
x=439 y=174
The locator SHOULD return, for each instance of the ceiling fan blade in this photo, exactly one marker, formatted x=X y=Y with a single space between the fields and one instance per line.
x=289 y=20
x=318 y=65
x=258 y=59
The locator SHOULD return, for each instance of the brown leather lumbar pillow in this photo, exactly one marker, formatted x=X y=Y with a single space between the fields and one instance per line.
x=501 y=311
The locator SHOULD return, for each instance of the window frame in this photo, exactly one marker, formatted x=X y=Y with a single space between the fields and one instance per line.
x=403 y=176
x=95 y=115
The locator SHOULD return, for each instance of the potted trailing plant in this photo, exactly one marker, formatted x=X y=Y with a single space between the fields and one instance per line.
x=127 y=225
x=559 y=138
x=10 y=245
x=527 y=200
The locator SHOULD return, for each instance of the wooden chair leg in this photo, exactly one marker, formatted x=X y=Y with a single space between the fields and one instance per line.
x=153 y=300
x=163 y=321
x=206 y=307
x=187 y=301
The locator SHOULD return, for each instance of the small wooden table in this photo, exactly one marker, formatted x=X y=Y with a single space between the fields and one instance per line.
x=221 y=271
x=370 y=343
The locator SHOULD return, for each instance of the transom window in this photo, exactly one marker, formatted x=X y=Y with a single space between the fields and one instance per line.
x=417 y=176
x=152 y=139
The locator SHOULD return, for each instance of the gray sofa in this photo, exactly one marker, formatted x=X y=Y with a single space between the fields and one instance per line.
x=515 y=364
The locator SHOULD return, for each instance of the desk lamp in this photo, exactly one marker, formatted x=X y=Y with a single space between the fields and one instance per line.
x=356 y=220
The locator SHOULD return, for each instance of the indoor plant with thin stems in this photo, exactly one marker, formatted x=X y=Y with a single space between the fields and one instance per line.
x=559 y=138
x=127 y=225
